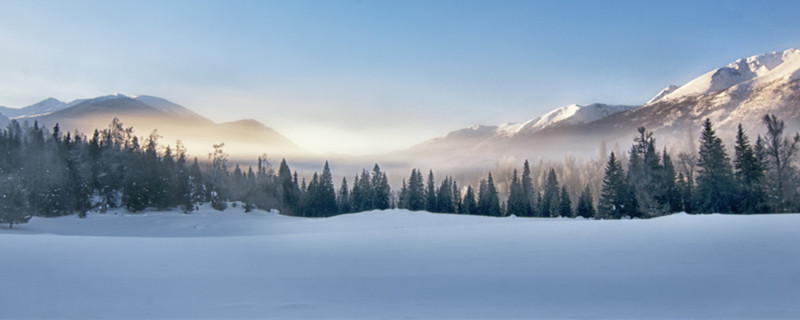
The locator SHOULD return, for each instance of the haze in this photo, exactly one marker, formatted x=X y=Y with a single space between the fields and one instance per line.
x=365 y=77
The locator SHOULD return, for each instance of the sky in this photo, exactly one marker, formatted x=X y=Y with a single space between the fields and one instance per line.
x=366 y=77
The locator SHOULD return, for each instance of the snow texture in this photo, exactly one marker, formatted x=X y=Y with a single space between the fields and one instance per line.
x=571 y=114
x=747 y=72
x=399 y=264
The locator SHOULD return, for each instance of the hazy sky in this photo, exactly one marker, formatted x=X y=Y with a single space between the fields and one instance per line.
x=371 y=76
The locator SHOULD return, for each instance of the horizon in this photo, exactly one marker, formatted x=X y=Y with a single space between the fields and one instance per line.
x=369 y=77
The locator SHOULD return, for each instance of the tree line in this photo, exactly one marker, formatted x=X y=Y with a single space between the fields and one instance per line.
x=50 y=173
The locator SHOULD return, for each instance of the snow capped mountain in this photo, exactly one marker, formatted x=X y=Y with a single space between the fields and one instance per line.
x=741 y=92
x=669 y=89
x=566 y=115
x=751 y=71
x=41 y=108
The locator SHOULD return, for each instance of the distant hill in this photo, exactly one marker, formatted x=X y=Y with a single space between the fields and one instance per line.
x=243 y=139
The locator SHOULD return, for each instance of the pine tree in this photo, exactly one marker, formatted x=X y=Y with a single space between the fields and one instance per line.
x=565 y=205
x=714 y=176
x=326 y=194
x=383 y=192
x=430 y=194
x=527 y=189
x=290 y=191
x=488 y=201
x=469 y=206
x=517 y=203
x=670 y=194
x=749 y=175
x=550 y=199
x=645 y=175
x=13 y=202
x=416 y=191
x=585 y=208
x=444 y=196
x=344 y=197
x=615 y=196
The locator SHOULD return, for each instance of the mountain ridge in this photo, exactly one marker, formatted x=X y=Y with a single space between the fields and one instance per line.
x=741 y=92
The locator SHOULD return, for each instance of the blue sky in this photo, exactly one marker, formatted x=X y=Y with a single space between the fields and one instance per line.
x=371 y=76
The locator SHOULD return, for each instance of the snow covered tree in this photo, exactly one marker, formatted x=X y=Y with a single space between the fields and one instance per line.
x=13 y=201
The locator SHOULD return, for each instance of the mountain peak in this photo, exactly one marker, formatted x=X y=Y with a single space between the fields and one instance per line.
x=759 y=68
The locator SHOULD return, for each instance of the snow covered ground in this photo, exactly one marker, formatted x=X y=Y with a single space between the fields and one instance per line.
x=398 y=264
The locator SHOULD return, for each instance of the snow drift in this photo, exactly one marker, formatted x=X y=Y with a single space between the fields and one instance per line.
x=399 y=264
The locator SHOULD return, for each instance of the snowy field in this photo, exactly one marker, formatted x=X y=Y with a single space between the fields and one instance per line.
x=398 y=264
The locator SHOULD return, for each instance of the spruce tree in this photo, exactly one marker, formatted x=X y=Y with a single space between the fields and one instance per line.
x=550 y=198
x=585 y=207
x=383 y=192
x=290 y=191
x=344 y=197
x=615 y=196
x=565 y=204
x=444 y=196
x=416 y=191
x=430 y=194
x=13 y=201
x=715 y=176
x=517 y=203
x=527 y=189
x=469 y=205
x=749 y=175
x=488 y=201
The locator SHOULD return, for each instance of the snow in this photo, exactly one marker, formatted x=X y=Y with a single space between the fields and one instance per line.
x=570 y=114
x=399 y=264
x=669 y=89
x=41 y=108
x=748 y=72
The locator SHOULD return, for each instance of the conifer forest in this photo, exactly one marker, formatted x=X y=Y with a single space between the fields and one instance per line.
x=46 y=172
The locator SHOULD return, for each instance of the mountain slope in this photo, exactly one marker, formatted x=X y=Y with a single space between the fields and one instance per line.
x=43 y=107
x=243 y=139
x=741 y=92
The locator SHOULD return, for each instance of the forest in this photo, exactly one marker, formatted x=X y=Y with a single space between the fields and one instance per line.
x=49 y=173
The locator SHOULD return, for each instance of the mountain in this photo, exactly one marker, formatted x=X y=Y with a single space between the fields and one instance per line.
x=481 y=143
x=741 y=92
x=169 y=107
x=43 y=107
x=3 y=120
x=245 y=139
